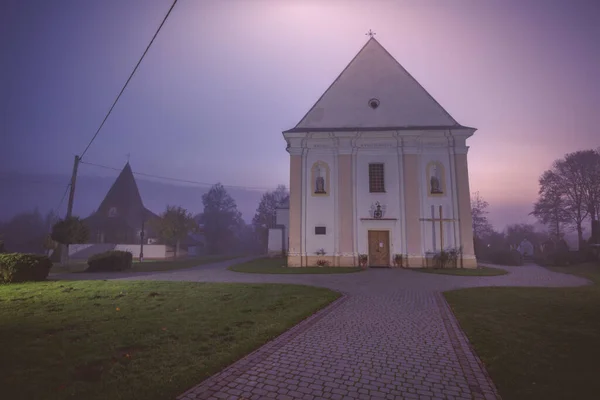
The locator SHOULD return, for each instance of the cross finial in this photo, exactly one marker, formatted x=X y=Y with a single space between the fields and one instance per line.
x=370 y=33
x=128 y=155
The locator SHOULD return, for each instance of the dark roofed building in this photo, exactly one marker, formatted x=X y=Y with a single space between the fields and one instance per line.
x=121 y=215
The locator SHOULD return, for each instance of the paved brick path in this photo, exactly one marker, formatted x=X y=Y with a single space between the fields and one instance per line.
x=392 y=336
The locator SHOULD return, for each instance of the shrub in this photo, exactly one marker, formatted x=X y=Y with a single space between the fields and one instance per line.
x=507 y=257
x=322 y=263
x=363 y=259
x=399 y=260
x=69 y=231
x=17 y=267
x=2 y=246
x=108 y=261
x=561 y=258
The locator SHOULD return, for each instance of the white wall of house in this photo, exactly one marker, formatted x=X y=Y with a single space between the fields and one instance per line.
x=282 y=217
x=84 y=251
x=275 y=244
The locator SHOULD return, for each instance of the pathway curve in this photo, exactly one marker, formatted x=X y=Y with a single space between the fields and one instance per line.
x=391 y=336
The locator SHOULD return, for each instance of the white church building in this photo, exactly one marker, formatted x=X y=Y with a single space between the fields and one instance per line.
x=377 y=168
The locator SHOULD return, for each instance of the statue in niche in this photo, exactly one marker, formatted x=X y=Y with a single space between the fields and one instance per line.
x=319 y=182
x=434 y=180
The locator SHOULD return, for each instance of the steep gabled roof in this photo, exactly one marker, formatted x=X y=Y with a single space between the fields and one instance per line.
x=125 y=197
x=374 y=74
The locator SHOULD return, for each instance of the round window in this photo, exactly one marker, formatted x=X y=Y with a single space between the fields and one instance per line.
x=373 y=103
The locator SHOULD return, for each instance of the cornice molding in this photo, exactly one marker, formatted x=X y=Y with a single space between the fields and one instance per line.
x=412 y=142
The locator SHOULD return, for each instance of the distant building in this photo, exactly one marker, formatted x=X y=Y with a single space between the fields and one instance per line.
x=279 y=236
x=122 y=215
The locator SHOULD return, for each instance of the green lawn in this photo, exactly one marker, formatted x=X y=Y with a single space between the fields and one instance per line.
x=142 y=340
x=148 y=265
x=479 y=271
x=536 y=343
x=278 y=266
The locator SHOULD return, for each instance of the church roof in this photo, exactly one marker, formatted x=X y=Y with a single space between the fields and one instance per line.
x=124 y=198
x=374 y=76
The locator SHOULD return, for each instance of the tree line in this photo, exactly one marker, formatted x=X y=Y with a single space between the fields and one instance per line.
x=569 y=194
x=489 y=241
x=568 y=201
x=220 y=223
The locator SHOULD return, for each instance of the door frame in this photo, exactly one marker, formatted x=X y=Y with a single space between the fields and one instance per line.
x=389 y=241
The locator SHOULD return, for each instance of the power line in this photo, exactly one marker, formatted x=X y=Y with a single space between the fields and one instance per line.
x=128 y=79
x=21 y=180
x=63 y=199
x=177 y=179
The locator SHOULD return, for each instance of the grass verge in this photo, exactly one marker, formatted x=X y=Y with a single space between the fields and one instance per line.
x=278 y=266
x=479 y=271
x=148 y=265
x=125 y=340
x=536 y=343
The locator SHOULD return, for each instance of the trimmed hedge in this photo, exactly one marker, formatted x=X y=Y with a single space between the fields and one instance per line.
x=561 y=258
x=109 y=261
x=18 y=267
x=507 y=257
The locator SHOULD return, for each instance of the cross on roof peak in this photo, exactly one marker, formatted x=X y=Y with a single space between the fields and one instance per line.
x=370 y=33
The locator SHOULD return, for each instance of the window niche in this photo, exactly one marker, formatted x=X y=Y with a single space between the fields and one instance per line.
x=320 y=230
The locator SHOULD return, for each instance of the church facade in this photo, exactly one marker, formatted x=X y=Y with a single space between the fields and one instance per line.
x=378 y=168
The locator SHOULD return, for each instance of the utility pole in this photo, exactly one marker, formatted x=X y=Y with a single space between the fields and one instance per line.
x=72 y=189
x=65 y=249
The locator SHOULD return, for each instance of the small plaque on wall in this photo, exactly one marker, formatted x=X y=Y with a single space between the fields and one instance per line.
x=320 y=230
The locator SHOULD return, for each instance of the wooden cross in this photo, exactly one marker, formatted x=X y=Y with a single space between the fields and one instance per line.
x=370 y=33
x=441 y=220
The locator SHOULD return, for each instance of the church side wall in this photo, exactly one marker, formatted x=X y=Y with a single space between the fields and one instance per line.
x=295 y=227
x=389 y=199
x=319 y=208
x=464 y=209
x=430 y=234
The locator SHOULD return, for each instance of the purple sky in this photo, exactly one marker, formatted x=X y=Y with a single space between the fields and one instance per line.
x=224 y=78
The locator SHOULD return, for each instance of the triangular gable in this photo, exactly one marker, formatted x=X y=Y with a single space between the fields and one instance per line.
x=125 y=197
x=374 y=74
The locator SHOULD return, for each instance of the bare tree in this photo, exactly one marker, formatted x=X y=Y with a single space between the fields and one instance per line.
x=550 y=207
x=591 y=182
x=572 y=173
x=481 y=226
x=570 y=193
